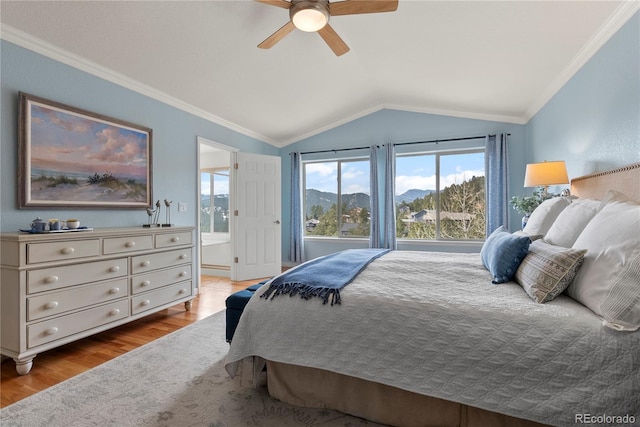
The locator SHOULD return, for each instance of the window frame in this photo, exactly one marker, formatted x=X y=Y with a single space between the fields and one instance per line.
x=438 y=153
x=339 y=161
x=212 y=172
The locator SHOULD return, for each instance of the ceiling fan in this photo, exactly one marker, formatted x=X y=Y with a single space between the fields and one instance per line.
x=313 y=16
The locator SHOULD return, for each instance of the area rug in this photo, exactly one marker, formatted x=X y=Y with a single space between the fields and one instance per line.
x=177 y=380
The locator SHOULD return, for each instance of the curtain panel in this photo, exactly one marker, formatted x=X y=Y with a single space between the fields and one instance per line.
x=497 y=182
x=374 y=227
x=296 y=245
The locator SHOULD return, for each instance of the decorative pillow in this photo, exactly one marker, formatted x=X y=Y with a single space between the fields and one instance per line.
x=609 y=280
x=572 y=220
x=545 y=214
x=502 y=253
x=533 y=237
x=547 y=270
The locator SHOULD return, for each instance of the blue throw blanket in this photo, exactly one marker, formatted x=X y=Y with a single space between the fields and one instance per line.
x=323 y=277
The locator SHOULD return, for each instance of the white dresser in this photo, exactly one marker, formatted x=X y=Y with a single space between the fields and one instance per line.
x=59 y=287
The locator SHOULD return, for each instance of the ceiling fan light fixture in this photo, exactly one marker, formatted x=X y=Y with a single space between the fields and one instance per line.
x=309 y=16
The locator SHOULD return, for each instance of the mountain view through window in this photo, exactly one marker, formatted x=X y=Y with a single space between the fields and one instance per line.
x=449 y=205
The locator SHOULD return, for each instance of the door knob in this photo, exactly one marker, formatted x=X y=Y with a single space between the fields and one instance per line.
x=277 y=221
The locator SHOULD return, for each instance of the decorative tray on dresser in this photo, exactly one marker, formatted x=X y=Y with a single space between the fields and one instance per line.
x=59 y=287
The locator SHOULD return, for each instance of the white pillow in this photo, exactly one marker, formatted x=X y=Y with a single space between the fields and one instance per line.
x=572 y=220
x=545 y=214
x=609 y=280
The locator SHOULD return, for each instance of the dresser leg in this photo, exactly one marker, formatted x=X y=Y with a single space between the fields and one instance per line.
x=23 y=366
x=187 y=305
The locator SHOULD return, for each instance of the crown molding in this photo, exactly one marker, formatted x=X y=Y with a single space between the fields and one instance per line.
x=44 y=48
x=620 y=16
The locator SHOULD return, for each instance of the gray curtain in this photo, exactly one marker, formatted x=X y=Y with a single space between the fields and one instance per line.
x=296 y=245
x=497 y=182
x=374 y=228
x=389 y=231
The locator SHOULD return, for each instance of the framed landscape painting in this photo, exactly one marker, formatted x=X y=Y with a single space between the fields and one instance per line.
x=71 y=158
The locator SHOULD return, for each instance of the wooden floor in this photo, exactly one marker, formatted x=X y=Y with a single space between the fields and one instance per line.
x=59 y=364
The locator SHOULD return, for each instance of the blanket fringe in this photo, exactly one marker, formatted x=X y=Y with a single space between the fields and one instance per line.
x=305 y=291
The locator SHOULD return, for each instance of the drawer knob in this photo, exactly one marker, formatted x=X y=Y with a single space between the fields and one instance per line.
x=114 y=269
x=182 y=291
x=145 y=283
x=51 y=279
x=183 y=256
x=145 y=263
x=114 y=290
x=175 y=239
x=182 y=273
x=52 y=304
x=51 y=331
x=68 y=251
x=130 y=244
x=114 y=312
x=145 y=302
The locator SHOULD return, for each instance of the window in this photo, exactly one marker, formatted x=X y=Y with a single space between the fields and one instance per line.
x=440 y=195
x=336 y=201
x=214 y=201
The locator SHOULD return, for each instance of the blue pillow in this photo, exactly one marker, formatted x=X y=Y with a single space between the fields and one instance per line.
x=502 y=253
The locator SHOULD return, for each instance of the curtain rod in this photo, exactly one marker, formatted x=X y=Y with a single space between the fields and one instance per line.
x=441 y=140
x=335 y=150
x=436 y=141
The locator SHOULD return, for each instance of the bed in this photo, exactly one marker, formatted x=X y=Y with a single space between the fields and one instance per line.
x=417 y=342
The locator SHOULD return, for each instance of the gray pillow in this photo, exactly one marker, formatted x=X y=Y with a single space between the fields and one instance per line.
x=547 y=270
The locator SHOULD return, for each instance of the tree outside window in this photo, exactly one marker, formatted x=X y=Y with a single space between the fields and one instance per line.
x=440 y=196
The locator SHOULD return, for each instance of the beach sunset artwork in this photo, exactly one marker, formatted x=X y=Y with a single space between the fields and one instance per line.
x=74 y=159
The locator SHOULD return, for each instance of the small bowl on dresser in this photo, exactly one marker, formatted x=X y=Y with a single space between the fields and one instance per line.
x=72 y=224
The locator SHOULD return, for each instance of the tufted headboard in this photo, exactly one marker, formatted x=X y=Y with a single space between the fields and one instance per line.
x=595 y=186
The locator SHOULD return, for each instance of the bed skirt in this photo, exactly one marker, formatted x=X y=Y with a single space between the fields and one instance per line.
x=316 y=388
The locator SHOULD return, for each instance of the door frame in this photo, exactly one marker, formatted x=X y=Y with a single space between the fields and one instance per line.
x=204 y=141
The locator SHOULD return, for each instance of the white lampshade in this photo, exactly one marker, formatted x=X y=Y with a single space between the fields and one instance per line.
x=309 y=16
x=546 y=173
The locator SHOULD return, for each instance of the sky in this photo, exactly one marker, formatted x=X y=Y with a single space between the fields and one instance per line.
x=412 y=172
x=221 y=184
x=66 y=141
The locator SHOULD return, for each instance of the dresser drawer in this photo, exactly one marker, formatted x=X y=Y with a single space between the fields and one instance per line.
x=162 y=296
x=118 y=245
x=71 y=299
x=48 y=279
x=173 y=239
x=63 y=326
x=63 y=250
x=159 y=278
x=149 y=262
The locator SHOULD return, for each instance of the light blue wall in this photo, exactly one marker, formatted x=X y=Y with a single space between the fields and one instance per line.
x=393 y=126
x=174 y=137
x=593 y=122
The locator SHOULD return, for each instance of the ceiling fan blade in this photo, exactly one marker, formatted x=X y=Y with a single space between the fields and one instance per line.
x=353 y=7
x=277 y=36
x=337 y=45
x=278 y=3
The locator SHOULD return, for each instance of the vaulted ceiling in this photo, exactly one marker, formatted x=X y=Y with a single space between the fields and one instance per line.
x=495 y=60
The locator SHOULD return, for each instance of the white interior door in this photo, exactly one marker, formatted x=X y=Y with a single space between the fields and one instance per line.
x=257 y=241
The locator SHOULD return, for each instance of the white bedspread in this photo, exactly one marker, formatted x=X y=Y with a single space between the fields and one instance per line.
x=433 y=323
